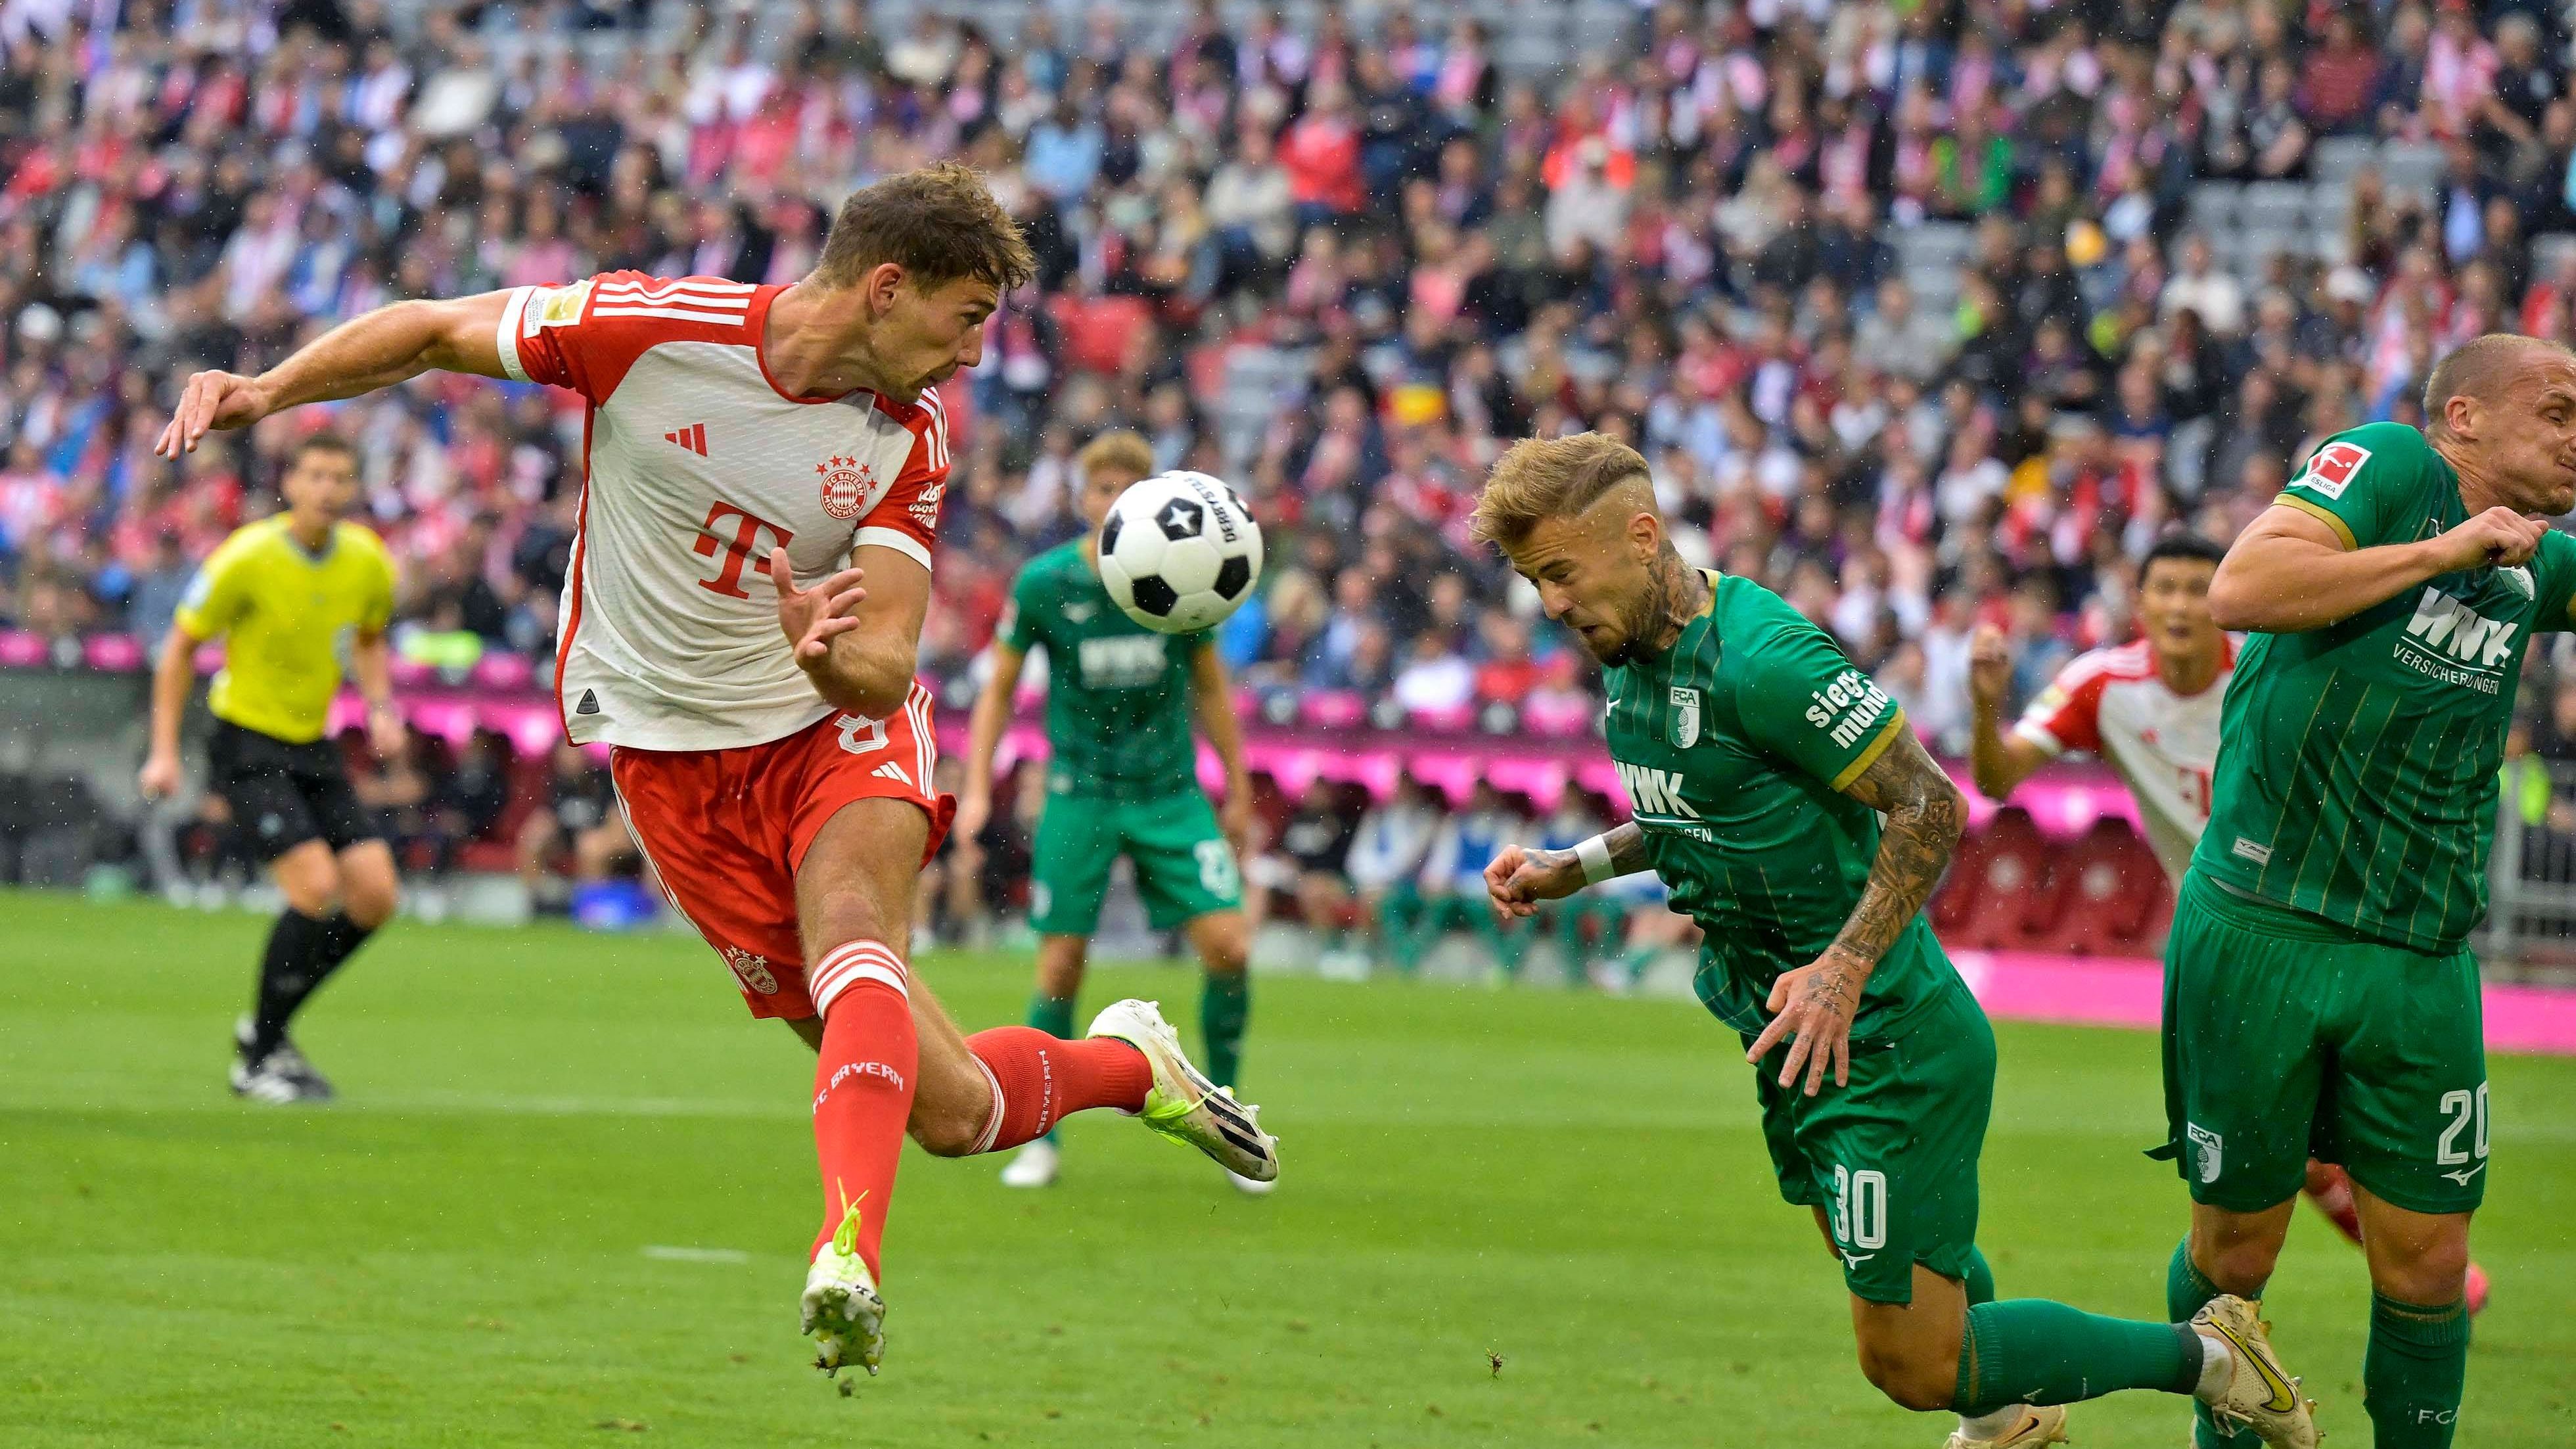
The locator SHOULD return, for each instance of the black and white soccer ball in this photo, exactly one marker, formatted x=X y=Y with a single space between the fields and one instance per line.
x=1179 y=552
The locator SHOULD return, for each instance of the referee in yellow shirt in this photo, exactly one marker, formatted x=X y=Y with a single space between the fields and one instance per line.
x=296 y=598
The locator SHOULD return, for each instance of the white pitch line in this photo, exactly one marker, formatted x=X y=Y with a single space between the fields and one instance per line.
x=664 y=1253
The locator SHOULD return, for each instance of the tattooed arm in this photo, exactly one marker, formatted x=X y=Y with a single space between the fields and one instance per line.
x=1817 y=1001
x=1520 y=877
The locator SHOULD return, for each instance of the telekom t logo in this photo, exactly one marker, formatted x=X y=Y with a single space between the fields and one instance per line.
x=739 y=550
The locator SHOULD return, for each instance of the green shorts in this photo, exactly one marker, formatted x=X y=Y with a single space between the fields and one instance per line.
x=2287 y=1037
x=1892 y=1157
x=1184 y=868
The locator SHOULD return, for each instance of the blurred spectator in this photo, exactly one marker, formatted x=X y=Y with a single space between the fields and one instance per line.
x=578 y=821
x=1313 y=848
x=1909 y=306
x=1450 y=889
x=1386 y=855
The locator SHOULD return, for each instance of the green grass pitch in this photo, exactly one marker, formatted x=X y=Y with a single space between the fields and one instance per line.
x=475 y=1247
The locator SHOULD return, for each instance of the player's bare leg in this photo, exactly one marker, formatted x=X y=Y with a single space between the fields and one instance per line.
x=1223 y=941
x=333 y=903
x=891 y=1061
x=2330 y=1190
x=853 y=912
x=2417 y=1362
x=1939 y=1351
x=2226 y=1253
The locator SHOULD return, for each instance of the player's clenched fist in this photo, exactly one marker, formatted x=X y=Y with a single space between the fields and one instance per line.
x=2499 y=538
x=1990 y=667
x=812 y=618
x=212 y=401
x=1520 y=878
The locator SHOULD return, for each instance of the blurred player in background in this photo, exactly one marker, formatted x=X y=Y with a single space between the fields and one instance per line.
x=768 y=461
x=1760 y=763
x=2321 y=997
x=298 y=599
x=2150 y=709
x=1122 y=779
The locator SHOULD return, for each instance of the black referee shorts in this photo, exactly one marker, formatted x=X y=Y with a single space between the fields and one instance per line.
x=286 y=794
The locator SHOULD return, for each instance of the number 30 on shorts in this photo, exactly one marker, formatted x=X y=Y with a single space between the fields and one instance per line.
x=1860 y=1207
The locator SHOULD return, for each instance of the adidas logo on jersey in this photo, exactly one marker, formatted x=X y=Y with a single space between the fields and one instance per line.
x=693 y=437
x=892 y=771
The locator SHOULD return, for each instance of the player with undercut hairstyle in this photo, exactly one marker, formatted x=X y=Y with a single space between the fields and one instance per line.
x=1780 y=795
x=2320 y=994
x=1122 y=779
x=763 y=468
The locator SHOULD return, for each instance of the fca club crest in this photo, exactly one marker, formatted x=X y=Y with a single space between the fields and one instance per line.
x=1685 y=717
x=846 y=482
x=752 y=970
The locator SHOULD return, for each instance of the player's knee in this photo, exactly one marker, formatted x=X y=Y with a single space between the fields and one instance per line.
x=2433 y=1269
x=2238 y=1263
x=947 y=1131
x=1911 y=1379
x=310 y=890
x=370 y=903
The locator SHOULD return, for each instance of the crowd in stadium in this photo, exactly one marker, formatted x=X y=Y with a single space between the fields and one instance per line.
x=1921 y=311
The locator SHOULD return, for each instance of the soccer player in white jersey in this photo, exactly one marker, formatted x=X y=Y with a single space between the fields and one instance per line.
x=2150 y=709
x=763 y=469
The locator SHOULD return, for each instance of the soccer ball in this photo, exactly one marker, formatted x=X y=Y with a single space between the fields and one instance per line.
x=1179 y=552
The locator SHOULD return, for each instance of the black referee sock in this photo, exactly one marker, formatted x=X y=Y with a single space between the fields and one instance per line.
x=302 y=953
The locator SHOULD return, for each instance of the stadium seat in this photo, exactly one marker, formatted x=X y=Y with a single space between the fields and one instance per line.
x=2012 y=868
x=2114 y=886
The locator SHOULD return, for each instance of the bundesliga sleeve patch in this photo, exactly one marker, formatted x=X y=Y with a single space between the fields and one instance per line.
x=2331 y=468
x=557 y=307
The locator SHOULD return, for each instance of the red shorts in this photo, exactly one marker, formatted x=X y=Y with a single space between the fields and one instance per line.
x=725 y=830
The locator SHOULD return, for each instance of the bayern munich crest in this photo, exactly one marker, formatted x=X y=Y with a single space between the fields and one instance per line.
x=751 y=968
x=846 y=482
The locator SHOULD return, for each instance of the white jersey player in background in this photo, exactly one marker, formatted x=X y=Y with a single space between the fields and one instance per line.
x=2150 y=710
x=763 y=468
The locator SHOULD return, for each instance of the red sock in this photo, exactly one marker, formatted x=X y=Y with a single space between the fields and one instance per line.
x=863 y=1086
x=1039 y=1080
x=2331 y=1190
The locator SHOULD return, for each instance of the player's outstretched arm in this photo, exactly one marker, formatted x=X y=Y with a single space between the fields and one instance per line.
x=1817 y=1002
x=1519 y=877
x=2290 y=571
x=984 y=737
x=1999 y=761
x=389 y=345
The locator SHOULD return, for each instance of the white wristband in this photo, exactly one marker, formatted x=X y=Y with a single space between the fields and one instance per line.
x=1593 y=854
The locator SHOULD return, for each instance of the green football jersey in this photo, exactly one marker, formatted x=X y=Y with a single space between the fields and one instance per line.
x=2356 y=775
x=1118 y=694
x=1733 y=746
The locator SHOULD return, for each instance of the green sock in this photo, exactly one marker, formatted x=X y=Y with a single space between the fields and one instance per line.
x=2411 y=1376
x=2187 y=1289
x=1980 y=1281
x=1225 y=1004
x=2033 y=1351
x=1052 y=1014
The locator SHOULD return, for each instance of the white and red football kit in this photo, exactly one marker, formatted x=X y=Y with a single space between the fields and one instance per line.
x=2113 y=703
x=695 y=466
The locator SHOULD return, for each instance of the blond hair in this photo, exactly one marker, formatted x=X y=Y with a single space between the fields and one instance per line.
x=1541 y=478
x=1116 y=451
